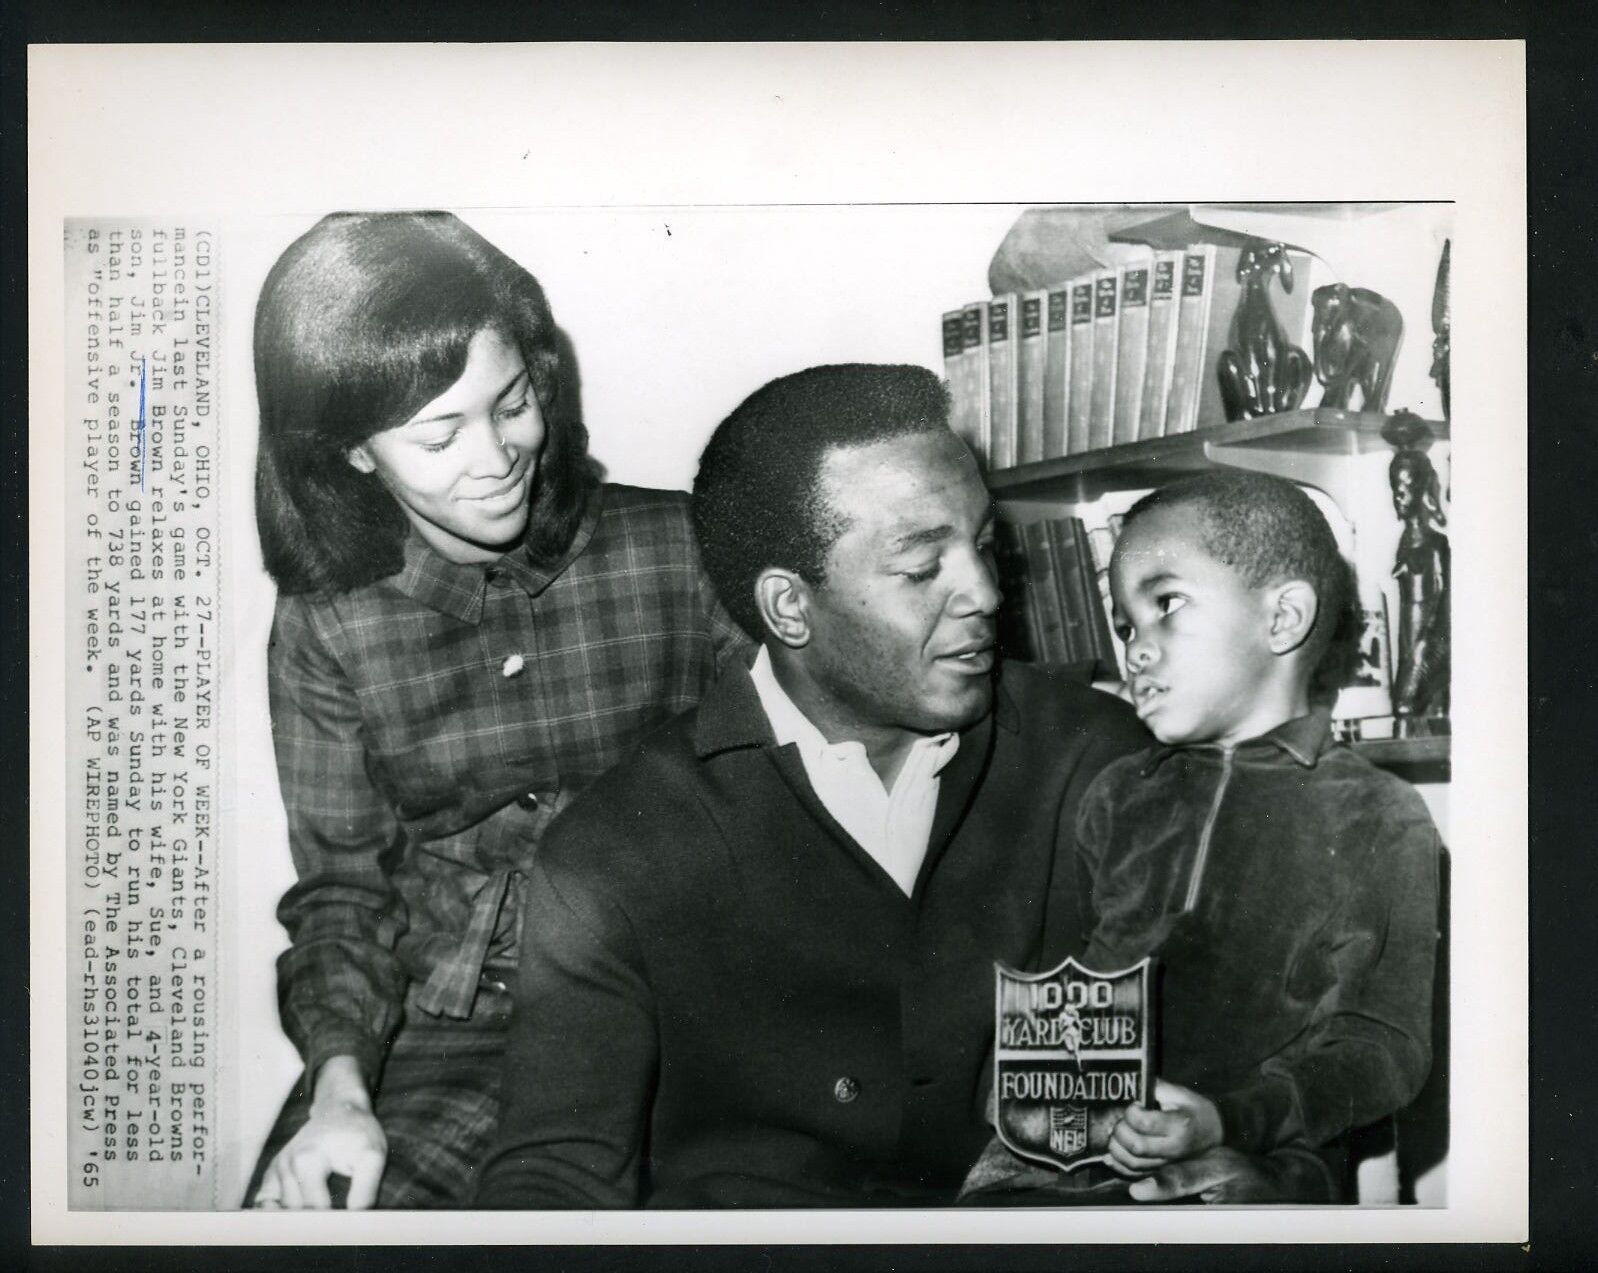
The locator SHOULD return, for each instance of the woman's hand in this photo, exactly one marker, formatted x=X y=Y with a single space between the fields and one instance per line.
x=341 y=1137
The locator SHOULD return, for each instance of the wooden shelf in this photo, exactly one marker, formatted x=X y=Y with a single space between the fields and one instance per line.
x=1318 y=431
x=1406 y=753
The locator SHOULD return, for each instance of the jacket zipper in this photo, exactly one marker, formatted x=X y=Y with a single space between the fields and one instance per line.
x=1197 y=878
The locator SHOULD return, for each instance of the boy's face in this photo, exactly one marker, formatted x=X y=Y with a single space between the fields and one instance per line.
x=1197 y=635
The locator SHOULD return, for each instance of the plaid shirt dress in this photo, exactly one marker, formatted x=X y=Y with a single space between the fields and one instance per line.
x=428 y=727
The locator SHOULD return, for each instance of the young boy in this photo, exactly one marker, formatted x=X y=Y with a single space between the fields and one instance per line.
x=1286 y=886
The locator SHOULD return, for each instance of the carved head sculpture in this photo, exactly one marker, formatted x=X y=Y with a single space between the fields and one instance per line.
x=1257 y=263
x=1417 y=492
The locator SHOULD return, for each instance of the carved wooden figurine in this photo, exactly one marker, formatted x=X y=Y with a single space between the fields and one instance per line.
x=1421 y=566
x=1440 y=329
x=1261 y=373
x=1356 y=339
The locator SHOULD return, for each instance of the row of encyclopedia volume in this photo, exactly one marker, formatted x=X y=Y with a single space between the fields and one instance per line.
x=1055 y=581
x=1121 y=354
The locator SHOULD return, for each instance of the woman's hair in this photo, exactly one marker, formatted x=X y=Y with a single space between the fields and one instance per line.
x=364 y=320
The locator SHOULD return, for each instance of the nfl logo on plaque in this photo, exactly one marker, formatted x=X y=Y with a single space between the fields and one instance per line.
x=1073 y=1047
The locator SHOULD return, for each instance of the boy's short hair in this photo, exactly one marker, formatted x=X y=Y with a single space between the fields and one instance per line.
x=757 y=500
x=1269 y=531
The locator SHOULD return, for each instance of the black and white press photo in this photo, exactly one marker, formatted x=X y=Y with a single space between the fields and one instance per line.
x=945 y=674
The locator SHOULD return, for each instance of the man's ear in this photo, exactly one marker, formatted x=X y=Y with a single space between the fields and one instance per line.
x=783 y=599
x=360 y=458
x=1293 y=606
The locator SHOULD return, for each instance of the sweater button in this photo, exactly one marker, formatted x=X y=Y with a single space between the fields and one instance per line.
x=845 y=1090
x=527 y=800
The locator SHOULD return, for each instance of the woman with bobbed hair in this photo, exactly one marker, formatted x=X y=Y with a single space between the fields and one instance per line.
x=470 y=628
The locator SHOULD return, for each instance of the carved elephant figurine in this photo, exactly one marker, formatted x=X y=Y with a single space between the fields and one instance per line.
x=1357 y=332
x=1260 y=372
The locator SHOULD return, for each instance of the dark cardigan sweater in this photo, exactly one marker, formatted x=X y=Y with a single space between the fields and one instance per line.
x=724 y=1001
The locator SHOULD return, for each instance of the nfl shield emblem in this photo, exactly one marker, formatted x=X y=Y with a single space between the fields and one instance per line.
x=1072 y=1047
x=1068 y=1129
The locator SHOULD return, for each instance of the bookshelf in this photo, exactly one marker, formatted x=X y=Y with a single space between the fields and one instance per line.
x=1315 y=445
x=1323 y=433
x=1202 y=262
x=1418 y=759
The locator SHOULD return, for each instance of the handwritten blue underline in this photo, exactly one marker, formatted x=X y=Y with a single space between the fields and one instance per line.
x=138 y=425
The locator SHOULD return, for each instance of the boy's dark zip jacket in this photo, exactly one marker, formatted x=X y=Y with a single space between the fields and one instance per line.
x=1289 y=890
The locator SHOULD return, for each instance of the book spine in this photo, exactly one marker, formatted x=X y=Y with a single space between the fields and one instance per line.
x=1132 y=349
x=1098 y=617
x=1056 y=372
x=976 y=349
x=1048 y=615
x=1002 y=380
x=1106 y=324
x=1034 y=353
x=1192 y=322
x=1069 y=581
x=1162 y=345
x=1080 y=403
x=1016 y=624
x=954 y=375
x=1101 y=545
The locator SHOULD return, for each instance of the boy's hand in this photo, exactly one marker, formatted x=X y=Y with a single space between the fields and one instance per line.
x=1185 y=1125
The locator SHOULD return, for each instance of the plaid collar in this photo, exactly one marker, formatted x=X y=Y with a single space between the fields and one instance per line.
x=1304 y=739
x=457 y=589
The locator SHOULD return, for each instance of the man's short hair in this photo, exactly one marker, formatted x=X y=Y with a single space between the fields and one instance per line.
x=1269 y=531
x=757 y=501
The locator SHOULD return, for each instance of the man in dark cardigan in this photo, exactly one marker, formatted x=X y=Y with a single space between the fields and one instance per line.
x=758 y=956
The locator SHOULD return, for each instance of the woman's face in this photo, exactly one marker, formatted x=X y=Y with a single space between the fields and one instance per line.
x=463 y=465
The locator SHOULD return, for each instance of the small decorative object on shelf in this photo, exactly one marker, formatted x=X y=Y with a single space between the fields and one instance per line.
x=1420 y=679
x=1356 y=339
x=1261 y=372
x=1366 y=692
x=1440 y=328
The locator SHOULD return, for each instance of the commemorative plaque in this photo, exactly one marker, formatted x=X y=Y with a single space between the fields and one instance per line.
x=1072 y=1048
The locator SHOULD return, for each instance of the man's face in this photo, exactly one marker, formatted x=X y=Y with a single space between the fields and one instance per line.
x=902 y=630
x=1197 y=635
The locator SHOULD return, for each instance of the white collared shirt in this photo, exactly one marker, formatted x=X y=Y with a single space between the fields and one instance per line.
x=892 y=826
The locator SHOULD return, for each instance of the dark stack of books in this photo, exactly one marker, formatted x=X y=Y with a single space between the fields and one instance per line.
x=1054 y=575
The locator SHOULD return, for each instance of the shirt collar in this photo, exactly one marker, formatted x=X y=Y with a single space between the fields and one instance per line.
x=730 y=714
x=790 y=725
x=457 y=589
x=1304 y=739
